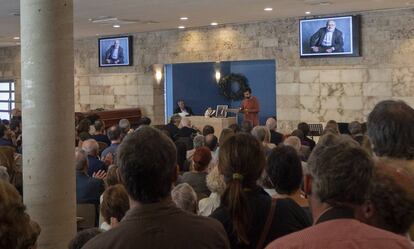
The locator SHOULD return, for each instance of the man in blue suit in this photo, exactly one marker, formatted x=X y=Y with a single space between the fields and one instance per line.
x=91 y=148
x=328 y=39
x=88 y=189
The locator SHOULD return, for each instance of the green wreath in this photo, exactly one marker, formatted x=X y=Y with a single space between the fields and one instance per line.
x=225 y=86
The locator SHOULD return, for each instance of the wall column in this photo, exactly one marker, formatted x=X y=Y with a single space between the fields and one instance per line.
x=48 y=118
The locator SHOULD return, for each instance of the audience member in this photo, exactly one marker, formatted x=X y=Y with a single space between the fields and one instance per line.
x=331 y=127
x=112 y=176
x=184 y=197
x=246 y=126
x=338 y=184
x=114 y=206
x=84 y=236
x=225 y=133
x=88 y=189
x=182 y=162
x=392 y=196
x=304 y=148
x=390 y=128
x=198 y=141
x=245 y=207
x=172 y=126
x=91 y=148
x=284 y=169
x=211 y=142
x=216 y=185
x=262 y=134
x=16 y=230
x=114 y=134
x=144 y=121
x=4 y=140
x=235 y=128
x=197 y=177
x=304 y=127
x=83 y=128
x=275 y=137
x=148 y=152
x=100 y=135
x=186 y=129
x=125 y=126
x=208 y=129
x=355 y=130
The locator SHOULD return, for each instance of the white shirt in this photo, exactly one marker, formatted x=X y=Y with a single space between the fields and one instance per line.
x=327 y=40
x=207 y=205
x=115 y=53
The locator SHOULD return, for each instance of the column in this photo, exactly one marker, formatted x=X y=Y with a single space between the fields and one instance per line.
x=48 y=118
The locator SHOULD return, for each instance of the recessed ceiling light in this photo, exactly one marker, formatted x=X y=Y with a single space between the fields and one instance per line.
x=16 y=38
x=308 y=12
x=268 y=9
x=184 y=18
x=213 y=24
x=116 y=26
x=181 y=27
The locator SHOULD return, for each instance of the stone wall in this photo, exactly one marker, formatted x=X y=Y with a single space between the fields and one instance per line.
x=311 y=89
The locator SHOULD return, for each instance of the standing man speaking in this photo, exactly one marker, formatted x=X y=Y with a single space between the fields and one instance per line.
x=250 y=107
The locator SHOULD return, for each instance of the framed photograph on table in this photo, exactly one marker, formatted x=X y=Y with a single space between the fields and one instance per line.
x=115 y=51
x=221 y=111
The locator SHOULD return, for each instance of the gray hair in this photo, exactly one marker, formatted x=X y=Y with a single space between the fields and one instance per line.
x=355 y=127
x=176 y=118
x=293 y=141
x=341 y=171
x=198 y=141
x=81 y=159
x=124 y=124
x=261 y=133
x=184 y=196
x=90 y=146
x=271 y=123
x=3 y=174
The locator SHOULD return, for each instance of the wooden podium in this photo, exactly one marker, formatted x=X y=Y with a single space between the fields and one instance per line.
x=218 y=123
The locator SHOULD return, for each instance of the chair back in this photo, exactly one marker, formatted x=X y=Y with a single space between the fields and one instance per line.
x=87 y=213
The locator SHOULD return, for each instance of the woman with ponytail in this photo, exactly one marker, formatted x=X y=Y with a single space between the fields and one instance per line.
x=249 y=215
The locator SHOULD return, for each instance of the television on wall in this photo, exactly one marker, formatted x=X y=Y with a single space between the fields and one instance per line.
x=330 y=36
x=115 y=51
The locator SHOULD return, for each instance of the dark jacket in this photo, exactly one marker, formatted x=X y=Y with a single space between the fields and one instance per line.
x=102 y=138
x=172 y=130
x=288 y=217
x=276 y=137
x=94 y=165
x=109 y=52
x=186 y=132
x=159 y=226
x=88 y=189
x=187 y=109
x=337 y=39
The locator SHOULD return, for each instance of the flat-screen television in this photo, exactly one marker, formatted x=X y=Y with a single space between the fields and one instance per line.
x=115 y=51
x=330 y=36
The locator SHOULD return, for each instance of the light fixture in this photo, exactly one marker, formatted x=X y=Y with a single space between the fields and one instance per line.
x=181 y=27
x=218 y=75
x=116 y=26
x=268 y=9
x=184 y=18
x=213 y=24
x=16 y=38
x=158 y=75
x=308 y=12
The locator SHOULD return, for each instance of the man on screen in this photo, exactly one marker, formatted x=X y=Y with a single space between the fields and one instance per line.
x=250 y=107
x=328 y=39
x=115 y=54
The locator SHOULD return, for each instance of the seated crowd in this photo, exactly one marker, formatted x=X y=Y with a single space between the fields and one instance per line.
x=251 y=187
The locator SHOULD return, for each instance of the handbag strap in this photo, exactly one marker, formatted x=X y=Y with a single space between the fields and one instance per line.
x=267 y=225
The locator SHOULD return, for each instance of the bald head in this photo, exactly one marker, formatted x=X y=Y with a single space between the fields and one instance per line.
x=91 y=147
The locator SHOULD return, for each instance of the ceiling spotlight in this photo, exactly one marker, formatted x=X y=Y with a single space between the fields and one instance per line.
x=213 y=24
x=307 y=12
x=181 y=27
x=16 y=38
x=268 y=9
x=183 y=18
x=116 y=26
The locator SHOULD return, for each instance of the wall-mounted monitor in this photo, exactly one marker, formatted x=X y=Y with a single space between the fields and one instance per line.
x=330 y=36
x=115 y=51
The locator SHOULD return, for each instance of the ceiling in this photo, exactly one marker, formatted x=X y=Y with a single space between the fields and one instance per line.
x=155 y=15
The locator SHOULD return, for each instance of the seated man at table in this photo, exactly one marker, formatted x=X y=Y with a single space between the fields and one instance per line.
x=183 y=110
